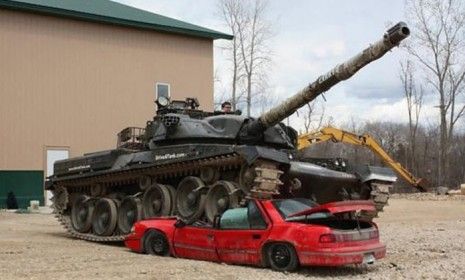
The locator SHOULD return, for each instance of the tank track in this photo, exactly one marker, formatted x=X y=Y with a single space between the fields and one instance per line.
x=185 y=168
x=379 y=195
x=65 y=221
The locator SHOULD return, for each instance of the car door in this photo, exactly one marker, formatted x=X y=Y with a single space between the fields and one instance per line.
x=195 y=243
x=241 y=242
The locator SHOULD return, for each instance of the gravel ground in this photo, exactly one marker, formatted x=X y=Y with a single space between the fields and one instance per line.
x=425 y=239
x=427 y=196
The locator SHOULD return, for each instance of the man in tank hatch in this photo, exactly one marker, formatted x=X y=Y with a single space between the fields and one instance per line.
x=226 y=107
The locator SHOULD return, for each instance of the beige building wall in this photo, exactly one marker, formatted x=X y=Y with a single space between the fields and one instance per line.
x=68 y=83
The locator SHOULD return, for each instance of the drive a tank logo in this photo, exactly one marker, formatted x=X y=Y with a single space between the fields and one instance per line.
x=78 y=167
x=170 y=156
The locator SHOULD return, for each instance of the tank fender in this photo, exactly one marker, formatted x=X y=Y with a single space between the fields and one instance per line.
x=301 y=169
x=134 y=158
x=368 y=173
x=252 y=153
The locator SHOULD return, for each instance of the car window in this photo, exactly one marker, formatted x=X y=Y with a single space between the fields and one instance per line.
x=248 y=217
x=288 y=207
x=256 y=220
x=235 y=219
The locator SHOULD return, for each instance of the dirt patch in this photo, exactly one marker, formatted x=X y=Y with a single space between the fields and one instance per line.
x=425 y=240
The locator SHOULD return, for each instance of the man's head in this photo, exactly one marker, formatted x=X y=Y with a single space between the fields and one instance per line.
x=226 y=107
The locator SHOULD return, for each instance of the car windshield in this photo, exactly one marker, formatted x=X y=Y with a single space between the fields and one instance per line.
x=287 y=207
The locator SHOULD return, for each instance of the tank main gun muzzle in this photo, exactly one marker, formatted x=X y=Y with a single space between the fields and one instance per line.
x=391 y=38
x=397 y=33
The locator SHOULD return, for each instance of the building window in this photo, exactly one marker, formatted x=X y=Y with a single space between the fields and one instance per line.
x=162 y=89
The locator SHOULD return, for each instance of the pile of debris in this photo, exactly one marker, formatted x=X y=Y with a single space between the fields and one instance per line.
x=447 y=191
x=461 y=191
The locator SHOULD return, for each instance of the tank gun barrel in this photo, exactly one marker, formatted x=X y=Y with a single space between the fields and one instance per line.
x=341 y=72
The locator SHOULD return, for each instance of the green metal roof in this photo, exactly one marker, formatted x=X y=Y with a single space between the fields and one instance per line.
x=113 y=13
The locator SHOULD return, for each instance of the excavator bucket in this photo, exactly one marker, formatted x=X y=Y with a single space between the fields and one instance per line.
x=423 y=185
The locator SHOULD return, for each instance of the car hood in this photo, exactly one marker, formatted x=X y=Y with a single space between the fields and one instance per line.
x=338 y=207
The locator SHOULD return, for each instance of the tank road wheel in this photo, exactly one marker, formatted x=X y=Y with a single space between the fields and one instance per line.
x=190 y=198
x=282 y=257
x=81 y=213
x=221 y=196
x=247 y=176
x=129 y=212
x=210 y=175
x=145 y=182
x=155 y=243
x=97 y=190
x=105 y=217
x=172 y=191
x=157 y=201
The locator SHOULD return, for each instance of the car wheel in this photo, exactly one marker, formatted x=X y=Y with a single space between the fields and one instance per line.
x=155 y=243
x=282 y=257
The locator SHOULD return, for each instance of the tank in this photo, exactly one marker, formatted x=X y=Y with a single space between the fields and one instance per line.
x=196 y=164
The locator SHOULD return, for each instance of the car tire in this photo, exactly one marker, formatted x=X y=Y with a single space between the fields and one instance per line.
x=282 y=257
x=155 y=243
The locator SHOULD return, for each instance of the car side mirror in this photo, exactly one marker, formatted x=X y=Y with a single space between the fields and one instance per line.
x=179 y=223
x=216 y=221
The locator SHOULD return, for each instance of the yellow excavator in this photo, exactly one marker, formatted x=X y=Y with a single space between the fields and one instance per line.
x=339 y=135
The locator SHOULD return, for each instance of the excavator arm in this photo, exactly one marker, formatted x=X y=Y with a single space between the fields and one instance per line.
x=338 y=135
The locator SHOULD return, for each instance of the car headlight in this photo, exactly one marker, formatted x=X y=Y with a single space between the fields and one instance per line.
x=133 y=229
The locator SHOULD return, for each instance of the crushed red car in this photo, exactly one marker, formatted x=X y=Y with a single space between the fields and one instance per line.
x=280 y=233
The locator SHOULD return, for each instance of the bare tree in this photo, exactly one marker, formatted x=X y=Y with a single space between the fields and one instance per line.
x=265 y=102
x=254 y=33
x=313 y=115
x=414 y=98
x=232 y=13
x=308 y=115
x=248 y=50
x=438 y=45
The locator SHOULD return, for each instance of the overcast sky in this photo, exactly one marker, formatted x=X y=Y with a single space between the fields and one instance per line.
x=311 y=38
